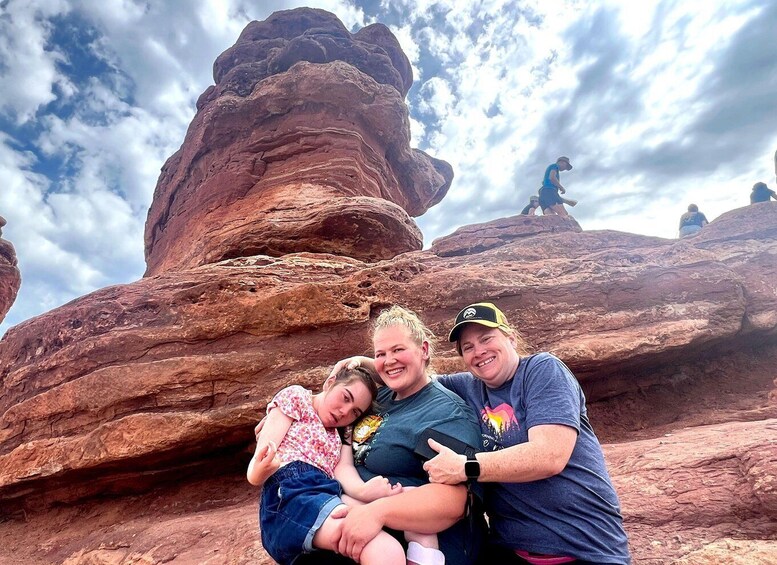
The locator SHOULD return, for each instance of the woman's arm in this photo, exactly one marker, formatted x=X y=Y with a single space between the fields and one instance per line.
x=426 y=509
x=264 y=462
x=545 y=454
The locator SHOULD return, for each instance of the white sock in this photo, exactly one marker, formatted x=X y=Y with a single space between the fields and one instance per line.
x=417 y=553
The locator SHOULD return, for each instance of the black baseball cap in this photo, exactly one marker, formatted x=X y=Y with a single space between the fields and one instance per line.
x=483 y=313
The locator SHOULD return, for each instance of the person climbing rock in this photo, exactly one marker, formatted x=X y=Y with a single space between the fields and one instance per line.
x=551 y=189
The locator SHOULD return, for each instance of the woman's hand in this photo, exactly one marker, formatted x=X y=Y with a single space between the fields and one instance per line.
x=360 y=526
x=447 y=467
x=352 y=363
x=378 y=487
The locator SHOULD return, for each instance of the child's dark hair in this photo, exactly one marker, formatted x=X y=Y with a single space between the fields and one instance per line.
x=363 y=375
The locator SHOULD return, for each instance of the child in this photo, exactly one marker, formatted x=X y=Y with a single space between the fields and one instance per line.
x=531 y=207
x=299 y=491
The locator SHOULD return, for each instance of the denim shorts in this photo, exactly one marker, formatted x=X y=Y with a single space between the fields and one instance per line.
x=692 y=229
x=296 y=500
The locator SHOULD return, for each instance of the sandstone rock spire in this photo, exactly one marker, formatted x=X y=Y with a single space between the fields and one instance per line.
x=303 y=144
x=10 y=277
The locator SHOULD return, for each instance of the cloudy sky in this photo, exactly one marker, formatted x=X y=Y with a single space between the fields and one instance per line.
x=658 y=104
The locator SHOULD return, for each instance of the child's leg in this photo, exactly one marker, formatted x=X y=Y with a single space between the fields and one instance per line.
x=381 y=549
x=426 y=540
x=423 y=549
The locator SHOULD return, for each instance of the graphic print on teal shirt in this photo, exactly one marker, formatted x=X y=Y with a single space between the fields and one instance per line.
x=501 y=426
x=362 y=434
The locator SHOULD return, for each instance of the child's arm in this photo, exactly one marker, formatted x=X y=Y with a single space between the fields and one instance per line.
x=264 y=462
x=353 y=485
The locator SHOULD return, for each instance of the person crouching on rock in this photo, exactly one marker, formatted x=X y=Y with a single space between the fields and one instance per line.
x=531 y=208
x=692 y=221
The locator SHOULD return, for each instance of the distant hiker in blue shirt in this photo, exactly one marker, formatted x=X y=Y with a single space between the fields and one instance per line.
x=761 y=193
x=550 y=199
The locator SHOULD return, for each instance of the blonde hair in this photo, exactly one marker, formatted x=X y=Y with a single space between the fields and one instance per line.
x=399 y=316
x=521 y=345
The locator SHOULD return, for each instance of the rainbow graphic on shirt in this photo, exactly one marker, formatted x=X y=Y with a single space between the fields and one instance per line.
x=500 y=419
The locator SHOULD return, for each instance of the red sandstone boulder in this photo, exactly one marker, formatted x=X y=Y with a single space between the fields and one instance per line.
x=182 y=363
x=10 y=277
x=274 y=45
x=477 y=238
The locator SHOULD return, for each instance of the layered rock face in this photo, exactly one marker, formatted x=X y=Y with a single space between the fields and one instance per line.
x=304 y=116
x=127 y=415
x=10 y=277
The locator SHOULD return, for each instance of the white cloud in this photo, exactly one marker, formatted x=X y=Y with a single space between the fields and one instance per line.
x=28 y=69
x=53 y=271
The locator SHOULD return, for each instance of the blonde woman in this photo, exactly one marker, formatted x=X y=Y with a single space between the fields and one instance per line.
x=384 y=443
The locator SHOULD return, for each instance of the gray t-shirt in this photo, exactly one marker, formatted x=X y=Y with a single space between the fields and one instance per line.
x=575 y=513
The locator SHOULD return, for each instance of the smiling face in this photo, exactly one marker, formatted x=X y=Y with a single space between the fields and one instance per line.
x=489 y=354
x=342 y=403
x=400 y=362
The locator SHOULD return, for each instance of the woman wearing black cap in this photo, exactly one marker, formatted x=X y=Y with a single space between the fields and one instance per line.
x=549 y=498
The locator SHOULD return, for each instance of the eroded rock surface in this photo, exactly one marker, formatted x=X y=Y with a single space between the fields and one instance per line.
x=10 y=277
x=480 y=237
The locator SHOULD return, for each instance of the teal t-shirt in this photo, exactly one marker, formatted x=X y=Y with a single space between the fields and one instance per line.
x=384 y=444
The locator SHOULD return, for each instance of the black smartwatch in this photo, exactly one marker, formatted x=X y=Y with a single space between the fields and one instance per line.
x=472 y=468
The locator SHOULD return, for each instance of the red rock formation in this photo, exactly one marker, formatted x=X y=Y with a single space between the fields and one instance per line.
x=126 y=415
x=481 y=237
x=304 y=117
x=10 y=278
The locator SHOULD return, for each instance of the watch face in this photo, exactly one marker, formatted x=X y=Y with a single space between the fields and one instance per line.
x=472 y=469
